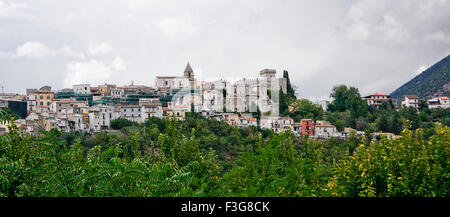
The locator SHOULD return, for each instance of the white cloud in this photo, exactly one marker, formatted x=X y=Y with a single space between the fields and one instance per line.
x=438 y=36
x=69 y=52
x=101 y=48
x=119 y=64
x=392 y=30
x=178 y=26
x=12 y=9
x=405 y=21
x=421 y=69
x=34 y=49
x=93 y=71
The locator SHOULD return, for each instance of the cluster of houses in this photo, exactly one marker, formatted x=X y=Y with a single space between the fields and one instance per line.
x=91 y=109
x=408 y=101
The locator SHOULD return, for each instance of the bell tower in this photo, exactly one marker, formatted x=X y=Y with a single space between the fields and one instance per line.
x=189 y=74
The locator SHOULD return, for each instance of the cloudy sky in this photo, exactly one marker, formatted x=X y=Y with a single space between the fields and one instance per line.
x=376 y=45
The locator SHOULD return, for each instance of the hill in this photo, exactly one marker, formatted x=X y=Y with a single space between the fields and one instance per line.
x=435 y=81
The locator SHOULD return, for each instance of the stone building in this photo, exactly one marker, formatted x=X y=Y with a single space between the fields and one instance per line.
x=81 y=88
x=166 y=84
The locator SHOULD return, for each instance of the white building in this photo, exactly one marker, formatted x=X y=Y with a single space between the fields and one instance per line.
x=165 y=84
x=410 y=101
x=283 y=124
x=278 y=124
x=153 y=110
x=132 y=113
x=266 y=123
x=149 y=101
x=377 y=99
x=65 y=105
x=171 y=82
x=247 y=122
x=31 y=100
x=439 y=102
x=63 y=124
x=100 y=117
x=82 y=88
x=81 y=123
x=325 y=131
x=116 y=92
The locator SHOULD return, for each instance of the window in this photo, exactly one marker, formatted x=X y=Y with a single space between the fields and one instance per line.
x=42 y=103
x=48 y=103
x=48 y=97
x=41 y=97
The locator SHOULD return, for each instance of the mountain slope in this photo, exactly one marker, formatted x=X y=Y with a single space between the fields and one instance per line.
x=435 y=81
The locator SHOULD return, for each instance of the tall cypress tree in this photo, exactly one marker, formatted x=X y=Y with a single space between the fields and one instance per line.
x=290 y=89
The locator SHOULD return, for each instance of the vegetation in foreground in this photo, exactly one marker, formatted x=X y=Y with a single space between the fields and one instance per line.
x=169 y=159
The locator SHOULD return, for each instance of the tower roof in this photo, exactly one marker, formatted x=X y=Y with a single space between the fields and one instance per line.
x=188 y=68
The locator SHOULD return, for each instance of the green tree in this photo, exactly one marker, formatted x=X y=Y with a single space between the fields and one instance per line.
x=383 y=124
x=396 y=124
x=303 y=108
x=290 y=89
x=120 y=123
x=340 y=125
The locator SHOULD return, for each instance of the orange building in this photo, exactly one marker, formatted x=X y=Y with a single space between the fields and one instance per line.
x=307 y=127
x=39 y=100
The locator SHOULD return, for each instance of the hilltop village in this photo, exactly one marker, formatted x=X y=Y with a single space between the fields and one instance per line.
x=245 y=103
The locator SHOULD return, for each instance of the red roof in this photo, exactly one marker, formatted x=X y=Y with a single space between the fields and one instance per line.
x=378 y=94
x=325 y=126
x=65 y=100
x=444 y=98
x=412 y=96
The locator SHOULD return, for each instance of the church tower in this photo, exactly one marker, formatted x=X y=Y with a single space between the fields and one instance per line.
x=189 y=74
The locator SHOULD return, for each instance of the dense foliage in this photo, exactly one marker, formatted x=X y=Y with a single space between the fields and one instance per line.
x=200 y=157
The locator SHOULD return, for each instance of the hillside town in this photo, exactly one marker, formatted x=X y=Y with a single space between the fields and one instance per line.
x=86 y=108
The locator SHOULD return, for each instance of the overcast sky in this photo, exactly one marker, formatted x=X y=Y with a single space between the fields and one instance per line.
x=375 y=45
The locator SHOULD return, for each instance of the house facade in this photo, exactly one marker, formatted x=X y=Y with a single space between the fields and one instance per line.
x=410 y=101
x=377 y=99
x=439 y=102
